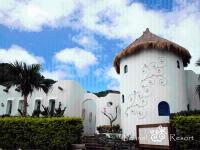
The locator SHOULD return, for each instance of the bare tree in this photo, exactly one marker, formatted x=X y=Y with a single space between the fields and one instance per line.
x=111 y=117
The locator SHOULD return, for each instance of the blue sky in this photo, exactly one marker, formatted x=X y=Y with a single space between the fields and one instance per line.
x=78 y=40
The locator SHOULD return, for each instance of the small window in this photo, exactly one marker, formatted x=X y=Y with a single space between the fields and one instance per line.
x=109 y=104
x=52 y=103
x=178 y=64
x=188 y=107
x=163 y=109
x=125 y=69
x=37 y=104
x=21 y=105
x=123 y=98
x=9 y=107
x=104 y=110
x=83 y=114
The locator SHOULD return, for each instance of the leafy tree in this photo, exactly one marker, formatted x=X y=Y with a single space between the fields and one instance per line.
x=26 y=78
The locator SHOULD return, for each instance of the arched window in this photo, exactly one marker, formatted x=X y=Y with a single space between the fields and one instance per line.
x=178 y=64
x=21 y=105
x=125 y=69
x=52 y=104
x=163 y=109
x=123 y=98
x=9 y=107
x=37 y=104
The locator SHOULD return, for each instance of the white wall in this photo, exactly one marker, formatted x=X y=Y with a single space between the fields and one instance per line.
x=89 y=113
x=11 y=95
x=71 y=97
x=152 y=77
x=97 y=105
x=191 y=84
x=102 y=105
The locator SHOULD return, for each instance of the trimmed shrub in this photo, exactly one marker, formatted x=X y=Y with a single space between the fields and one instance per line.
x=187 y=128
x=39 y=133
x=109 y=129
x=186 y=113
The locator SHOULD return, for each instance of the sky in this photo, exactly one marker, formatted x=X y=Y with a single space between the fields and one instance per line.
x=79 y=39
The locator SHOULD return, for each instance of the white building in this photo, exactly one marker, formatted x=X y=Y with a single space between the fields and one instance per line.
x=93 y=108
x=79 y=103
x=62 y=91
x=153 y=82
x=108 y=104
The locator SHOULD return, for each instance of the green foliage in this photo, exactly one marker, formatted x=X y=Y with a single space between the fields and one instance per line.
x=46 y=112
x=109 y=129
x=4 y=73
x=58 y=112
x=186 y=113
x=104 y=93
x=39 y=133
x=187 y=126
x=26 y=79
x=36 y=113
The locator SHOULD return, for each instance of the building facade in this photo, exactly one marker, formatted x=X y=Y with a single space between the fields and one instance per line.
x=62 y=91
x=71 y=95
x=153 y=82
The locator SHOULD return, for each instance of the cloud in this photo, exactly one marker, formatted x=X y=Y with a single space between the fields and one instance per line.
x=125 y=21
x=55 y=75
x=34 y=15
x=87 y=40
x=78 y=57
x=111 y=73
x=113 y=19
x=113 y=79
x=109 y=76
x=17 y=53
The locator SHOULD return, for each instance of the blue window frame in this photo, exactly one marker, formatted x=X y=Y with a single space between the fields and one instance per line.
x=163 y=109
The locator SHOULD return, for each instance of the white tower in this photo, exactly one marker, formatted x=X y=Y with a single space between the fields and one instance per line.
x=152 y=81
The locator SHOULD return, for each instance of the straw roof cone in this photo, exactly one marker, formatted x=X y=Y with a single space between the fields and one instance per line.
x=150 y=41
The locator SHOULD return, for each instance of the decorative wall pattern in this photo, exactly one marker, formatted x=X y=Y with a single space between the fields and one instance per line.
x=152 y=75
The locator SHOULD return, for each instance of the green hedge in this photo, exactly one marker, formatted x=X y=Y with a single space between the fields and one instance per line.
x=39 y=133
x=186 y=113
x=109 y=129
x=186 y=126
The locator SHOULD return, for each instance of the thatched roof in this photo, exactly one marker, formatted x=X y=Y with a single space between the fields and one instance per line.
x=151 y=41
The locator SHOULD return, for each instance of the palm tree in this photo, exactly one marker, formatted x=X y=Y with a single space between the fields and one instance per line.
x=26 y=79
x=198 y=86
